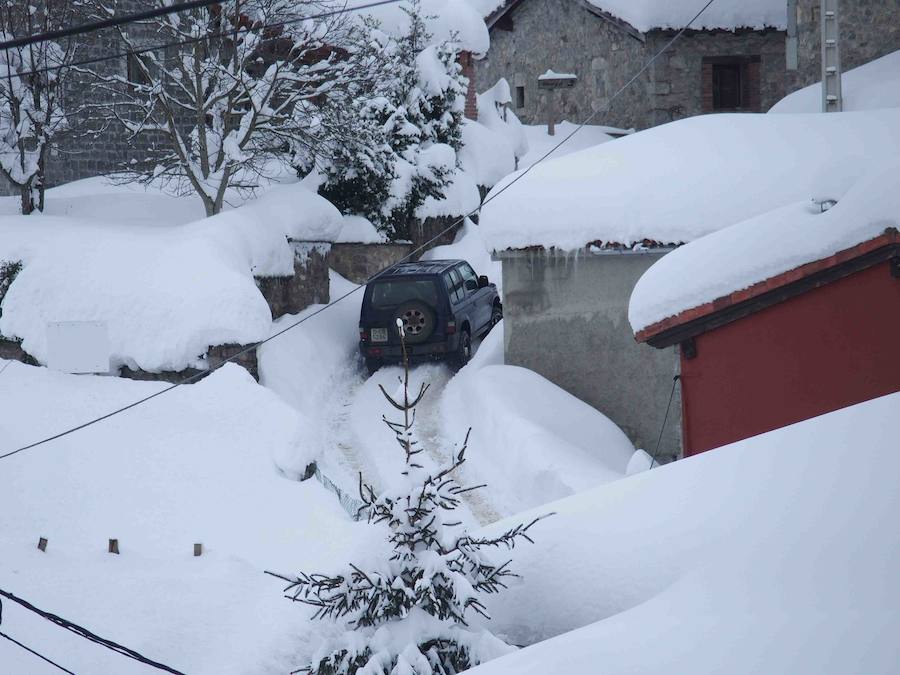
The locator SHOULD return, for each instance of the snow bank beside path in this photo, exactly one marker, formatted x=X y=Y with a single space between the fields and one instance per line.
x=309 y=364
x=763 y=247
x=166 y=293
x=768 y=555
x=531 y=442
x=873 y=85
x=194 y=465
x=677 y=182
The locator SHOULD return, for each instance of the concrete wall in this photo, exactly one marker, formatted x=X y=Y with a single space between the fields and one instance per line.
x=869 y=29
x=565 y=317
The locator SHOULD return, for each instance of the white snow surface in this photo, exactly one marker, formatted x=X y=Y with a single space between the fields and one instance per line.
x=768 y=555
x=677 y=182
x=540 y=142
x=359 y=230
x=487 y=155
x=647 y=14
x=762 y=247
x=167 y=291
x=193 y=466
x=458 y=20
x=553 y=75
x=870 y=86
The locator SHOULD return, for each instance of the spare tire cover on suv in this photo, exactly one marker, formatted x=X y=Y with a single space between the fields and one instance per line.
x=418 y=320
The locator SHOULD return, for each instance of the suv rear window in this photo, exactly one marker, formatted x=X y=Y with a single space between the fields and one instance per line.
x=393 y=293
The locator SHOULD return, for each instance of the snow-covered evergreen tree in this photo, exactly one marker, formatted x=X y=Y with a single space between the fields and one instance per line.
x=408 y=614
x=415 y=123
x=31 y=95
x=255 y=83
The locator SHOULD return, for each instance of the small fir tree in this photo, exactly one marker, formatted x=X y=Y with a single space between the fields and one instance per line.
x=409 y=614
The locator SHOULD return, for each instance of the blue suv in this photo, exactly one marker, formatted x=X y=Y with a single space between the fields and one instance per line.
x=443 y=305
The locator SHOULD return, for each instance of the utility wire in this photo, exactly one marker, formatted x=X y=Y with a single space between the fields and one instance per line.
x=37 y=654
x=227 y=33
x=105 y=23
x=87 y=635
x=665 y=419
x=410 y=255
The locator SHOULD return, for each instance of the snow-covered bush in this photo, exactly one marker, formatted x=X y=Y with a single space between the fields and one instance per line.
x=407 y=614
x=31 y=96
x=265 y=82
x=414 y=124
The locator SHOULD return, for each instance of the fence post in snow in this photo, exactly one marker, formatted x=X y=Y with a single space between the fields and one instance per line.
x=198 y=550
x=114 y=546
x=42 y=544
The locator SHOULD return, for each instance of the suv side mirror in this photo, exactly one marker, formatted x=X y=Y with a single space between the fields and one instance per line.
x=472 y=285
x=483 y=281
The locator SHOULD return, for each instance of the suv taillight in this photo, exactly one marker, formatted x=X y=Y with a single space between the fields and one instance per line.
x=451 y=327
x=362 y=334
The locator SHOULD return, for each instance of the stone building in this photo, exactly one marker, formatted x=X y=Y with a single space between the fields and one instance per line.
x=722 y=66
x=868 y=30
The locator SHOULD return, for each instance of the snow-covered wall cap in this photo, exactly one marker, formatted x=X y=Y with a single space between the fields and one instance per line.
x=553 y=75
x=870 y=86
x=763 y=247
x=677 y=182
x=646 y=15
x=447 y=19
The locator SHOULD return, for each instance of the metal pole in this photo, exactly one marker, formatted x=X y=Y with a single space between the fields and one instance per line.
x=831 y=57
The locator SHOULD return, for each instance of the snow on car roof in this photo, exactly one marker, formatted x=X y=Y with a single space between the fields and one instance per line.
x=680 y=181
x=645 y=15
x=761 y=248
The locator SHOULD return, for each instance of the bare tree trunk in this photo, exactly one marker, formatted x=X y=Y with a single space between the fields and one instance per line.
x=28 y=205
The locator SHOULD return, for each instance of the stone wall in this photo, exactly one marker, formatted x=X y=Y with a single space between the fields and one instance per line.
x=359 y=262
x=683 y=76
x=869 y=29
x=565 y=36
x=215 y=357
x=566 y=317
x=307 y=286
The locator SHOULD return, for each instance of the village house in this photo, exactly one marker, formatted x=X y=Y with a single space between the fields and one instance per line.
x=732 y=59
x=576 y=233
x=772 y=335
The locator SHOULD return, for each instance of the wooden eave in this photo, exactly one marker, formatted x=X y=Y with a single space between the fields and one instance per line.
x=777 y=289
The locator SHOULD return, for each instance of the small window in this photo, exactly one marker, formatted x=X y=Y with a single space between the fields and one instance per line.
x=136 y=70
x=457 y=293
x=520 y=97
x=727 y=86
x=386 y=294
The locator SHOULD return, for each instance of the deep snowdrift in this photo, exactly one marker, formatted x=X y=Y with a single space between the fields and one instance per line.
x=680 y=181
x=873 y=85
x=774 y=554
x=167 y=293
x=762 y=247
x=194 y=465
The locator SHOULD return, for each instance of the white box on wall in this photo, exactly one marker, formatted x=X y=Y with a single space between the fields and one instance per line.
x=78 y=346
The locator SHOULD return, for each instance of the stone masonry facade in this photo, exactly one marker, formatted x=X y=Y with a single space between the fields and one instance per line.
x=869 y=29
x=567 y=36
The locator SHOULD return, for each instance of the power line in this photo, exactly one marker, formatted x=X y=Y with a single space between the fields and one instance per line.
x=208 y=36
x=84 y=633
x=40 y=656
x=105 y=23
x=410 y=255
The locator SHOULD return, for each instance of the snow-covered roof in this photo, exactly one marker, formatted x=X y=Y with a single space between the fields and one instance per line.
x=680 y=181
x=445 y=19
x=760 y=248
x=768 y=555
x=645 y=15
x=868 y=87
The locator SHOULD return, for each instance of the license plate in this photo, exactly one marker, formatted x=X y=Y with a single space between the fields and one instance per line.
x=379 y=335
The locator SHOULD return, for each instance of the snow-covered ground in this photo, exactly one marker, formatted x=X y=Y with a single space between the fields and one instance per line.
x=197 y=465
x=870 y=86
x=775 y=554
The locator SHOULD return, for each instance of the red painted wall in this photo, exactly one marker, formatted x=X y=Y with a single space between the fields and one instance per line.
x=826 y=349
